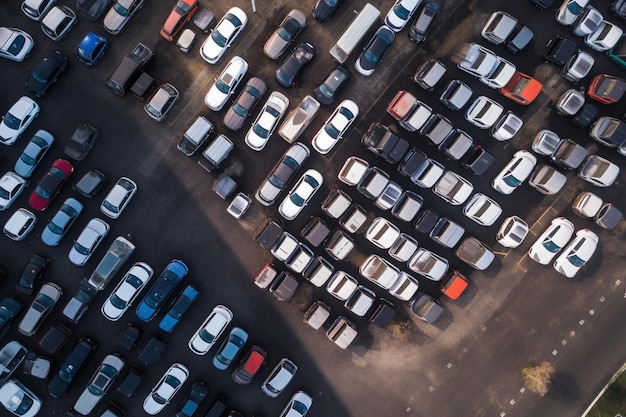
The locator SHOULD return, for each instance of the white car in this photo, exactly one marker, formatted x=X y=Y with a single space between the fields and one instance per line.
x=501 y=74
x=279 y=378
x=428 y=264
x=36 y=9
x=382 y=233
x=100 y=382
x=577 y=253
x=551 y=241
x=15 y=44
x=11 y=186
x=18 y=399
x=483 y=112
x=599 y=171
x=126 y=291
x=405 y=287
x=261 y=130
x=545 y=142
x=512 y=232
x=163 y=392
x=515 y=172
x=569 y=11
x=400 y=14
x=379 y=271
x=604 y=37
x=210 y=330
x=300 y=194
x=587 y=22
x=577 y=67
x=226 y=83
x=19 y=224
x=88 y=241
x=120 y=13
x=478 y=61
x=341 y=285
x=223 y=35
x=18 y=118
x=58 y=22
x=118 y=198
x=482 y=209
x=507 y=127
x=333 y=130
x=298 y=406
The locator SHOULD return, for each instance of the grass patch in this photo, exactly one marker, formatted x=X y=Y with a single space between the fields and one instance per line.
x=613 y=401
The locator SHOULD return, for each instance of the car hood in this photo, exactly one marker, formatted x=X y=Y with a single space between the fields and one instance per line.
x=113 y=21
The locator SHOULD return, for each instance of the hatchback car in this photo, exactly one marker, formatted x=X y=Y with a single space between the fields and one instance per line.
x=210 y=330
x=506 y=127
x=193 y=400
x=426 y=308
x=577 y=253
x=230 y=348
x=91 y=48
x=261 y=130
x=284 y=35
x=428 y=264
x=173 y=273
x=97 y=387
x=16 y=398
x=323 y=10
x=119 y=15
x=126 y=291
x=569 y=11
x=226 y=83
x=587 y=21
x=46 y=73
x=374 y=51
x=547 y=179
x=223 y=35
x=250 y=365
x=551 y=241
x=58 y=22
x=163 y=392
x=499 y=27
x=300 y=194
x=382 y=233
x=292 y=66
x=482 y=209
x=118 y=198
x=604 y=37
x=335 y=127
x=512 y=232
x=599 y=171
x=330 y=87
x=519 y=40
x=478 y=60
x=400 y=14
x=16 y=44
x=545 y=142
x=81 y=141
x=36 y=9
x=298 y=406
x=245 y=102
x=19 y=224
x=32 y=273
x=162 y=101
x=33 y=153
x=280 y=175
x=50 y=184
x=456 y=95
x=11 y=186
x=182 y=13
x=279 y=378
x=606 y=89
x=521 y=88
x=44 y=301
x=91 y=183
x=483 y=112
x=515 y=172
x=17 y=119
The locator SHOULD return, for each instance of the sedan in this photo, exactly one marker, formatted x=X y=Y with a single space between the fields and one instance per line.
x=324 y=9
x=88 y=241
x=551 y=241
x=328 y=89
x=17 y=119
x=18 y=399
x=32 y=273
x=173 y=273
x=15 y=44
x=482 y=209
x=11 y=186
x=337 y=124
x=50 y=184
x=374 y=51
x=291 y=161
x=120 y=13
x=400 y=14
x=226 y=83
x=292 y=66
x=210 y=330
x=118 y=198
x=261 y=130
x=33 y=153
x=99 y=384
x=521 y=88
x=61 y=222
x=428 y=264
x=44 y=301
x=178 y=308
x=91 y=48
x=286 y=32
x=298 y=406
x=182 y=13
x=300 y=194
x=230 y=348
x=245 y=102
x=515 y=172
x=223 y=35
x=9 y=309
x=163 y=392
x=126 y=291
x=577 y=253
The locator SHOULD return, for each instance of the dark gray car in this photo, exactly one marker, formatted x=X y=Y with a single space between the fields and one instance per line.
x=425 y=307
x=81 y=141
x=569 y=154
x=325 y=93
x=241 y=108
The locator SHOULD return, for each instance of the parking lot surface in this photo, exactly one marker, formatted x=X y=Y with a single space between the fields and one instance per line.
x=468 y=362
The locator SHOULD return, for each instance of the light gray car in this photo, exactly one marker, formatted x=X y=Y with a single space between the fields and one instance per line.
x=284 y=35
x=99 y=384
x=44 y=301
x=279 y=176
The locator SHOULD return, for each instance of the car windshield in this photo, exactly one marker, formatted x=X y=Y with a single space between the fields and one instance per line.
x=297 y=200
x=551 y=246
x=285 y=34
x=574 y=7
x=19 y=403
x=299 y=407
x=511 y=181
x=81 y=249
x=222 y=86
x=371 y=57
x=401 y=12
x=17 y=45
x=206 y=336
x=4 y=194
x=42 y=303
x=11 y=121
x=238 y=109
x=40 y=78
x=107 y=204
x=218 y=38
x=276 y=182
x=260 y=130
x=121 y=10
x=117 y=302
x=55 y=228
x=183 y=7
x=332 y=131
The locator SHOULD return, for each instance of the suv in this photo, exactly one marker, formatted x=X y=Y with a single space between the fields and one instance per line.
x=71 y=366
x=78 y=304
x=81 y=141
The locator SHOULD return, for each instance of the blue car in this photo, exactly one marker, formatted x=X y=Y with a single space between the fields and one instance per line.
x=61 y=222
x=33 y=153
x=178 y=308
x=9 y=309
x=161 y=289
x=91 y=48
x=230 y=348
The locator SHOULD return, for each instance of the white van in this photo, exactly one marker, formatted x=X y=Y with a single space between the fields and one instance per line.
x=354 y=33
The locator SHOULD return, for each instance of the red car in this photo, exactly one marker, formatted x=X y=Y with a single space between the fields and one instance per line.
x=522 y=88
x=50 y=184
x=606 y=89
x=180 y=14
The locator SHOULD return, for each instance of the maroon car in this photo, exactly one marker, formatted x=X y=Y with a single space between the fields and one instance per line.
x=50 y=184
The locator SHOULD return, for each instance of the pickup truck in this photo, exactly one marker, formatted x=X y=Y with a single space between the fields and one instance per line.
x=128 y=70
x=119 y=251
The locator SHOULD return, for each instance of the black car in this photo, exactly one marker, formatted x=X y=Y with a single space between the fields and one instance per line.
x=91 y=183
x=81 y=141
x=380 y=140
x=559 y=50
x=151 y=351
x=92 y=9
x=193 y=400
x=55 y=338
x=543 y=4
x=131 y=382
x=32 y=274
x=302 y=54
x=9 y=309
x=374 y=50
x=46 y=73
x=324 y=9
x=411 y=162
x=327 y=91
x=477 y=160
x=424 y=21
x=71 y=366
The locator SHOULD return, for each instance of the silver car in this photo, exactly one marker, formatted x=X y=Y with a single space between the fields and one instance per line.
x=99 y=384
x=119 y=15
x=44 y=301
x=285 y=34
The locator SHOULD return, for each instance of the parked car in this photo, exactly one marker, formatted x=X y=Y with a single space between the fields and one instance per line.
x=456 y=95
x=88 y=241
x=292 y=66
x=81 y=141
x=499 y=27
x=173 y=273
x=506 y=127
x=604 y=37
x=33 y=153
x=97 y=387
x=522 y=88
x=268 y=118
x=298 y=406
x=379 y=271
x=519 y=40
x=577 y=253
x=512 y=232
x=19 y=224
x=382 y=233
x=599 y=171
x=50 y=184
x=118 y=198
x=323 y=10
x=501 y=74
x=46 y=73
x=551 y=241
x=10 y=308
x=71 y=366
x=223 y=35
x=475 y=253
x=374 y=50
x=36 y=9
x=453 y=188
x=426 y=308
x=61 y=222
x=285 y=34
x=182 y=13
x=330 y=87
x=279 y=378
x=17 y=44
x=92 y=9
x=424 y=21
x=587 y=21
x=55 y=339
x=17 y=119
x=249 y=365
x=515 y=172
x=400 y=13
x=609 y=131
x=230 y=348
x=569 y=11
x=245 y=102
x=477 y=160
x=280 y=175
x=165 y=390
x=126 y=291
x=478 y=60
x=545 y=142
x=226 y=83
x=605 y=88
x=17 y=399
x=58 y=22
x=80 y=301
x=44 y=302
x=120 y=14
x=179 y=306
x=428 y=264
x=210 y=330
x=300 y=194
x=162 y=101
x=299 y=119
x=482 y=209
x=335 y=127
x=483 y=112
x=32 y=273
x=341 y=285
x=11 y=186
x=192 y=401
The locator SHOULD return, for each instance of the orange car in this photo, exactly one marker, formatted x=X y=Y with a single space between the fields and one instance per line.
x=454 y=284
x=180 y=14
x=521 y=88
x=606 y=89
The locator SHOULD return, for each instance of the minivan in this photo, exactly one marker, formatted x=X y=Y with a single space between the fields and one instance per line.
x=429 y=74
x=424 y=21
x=354 y=33
x=195 y=136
